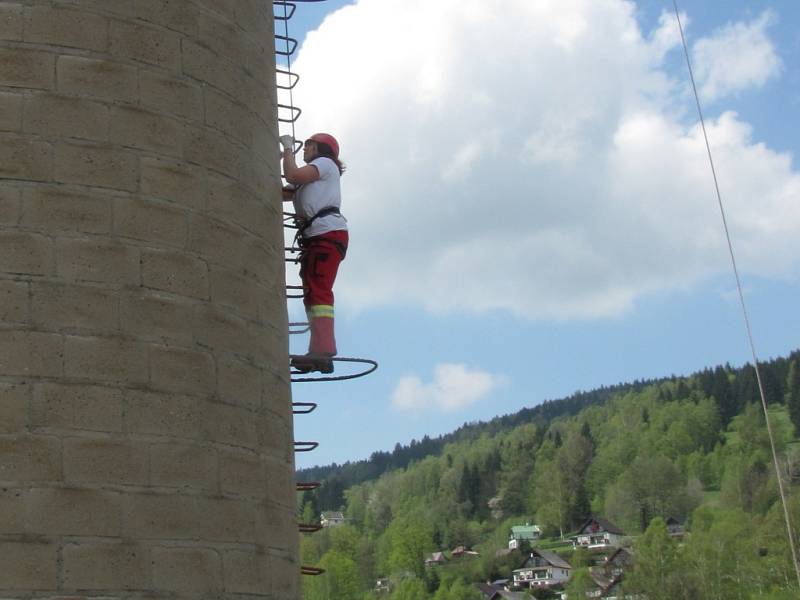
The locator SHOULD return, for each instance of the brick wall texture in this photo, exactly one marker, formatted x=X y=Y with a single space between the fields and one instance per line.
x=145 y=410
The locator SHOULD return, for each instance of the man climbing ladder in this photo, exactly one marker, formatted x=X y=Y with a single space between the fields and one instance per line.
x=323 y=238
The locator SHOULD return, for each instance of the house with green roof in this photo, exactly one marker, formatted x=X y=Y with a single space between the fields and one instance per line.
x=523 y=535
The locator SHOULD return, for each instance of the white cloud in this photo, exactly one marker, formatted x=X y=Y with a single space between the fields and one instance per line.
x=533 y=159
x=454 y=387
x=736 y=57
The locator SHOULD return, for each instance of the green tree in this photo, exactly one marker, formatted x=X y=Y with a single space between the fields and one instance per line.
x=724 y=555
x=580 y=584
x=658 y=573
x=339 y=582
x=410 y=589
x=458 y=590
x=410 y=540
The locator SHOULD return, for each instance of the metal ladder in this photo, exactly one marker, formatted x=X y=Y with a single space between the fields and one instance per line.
x=288 y=113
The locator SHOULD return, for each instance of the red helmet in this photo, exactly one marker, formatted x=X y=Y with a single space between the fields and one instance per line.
x=326 y=138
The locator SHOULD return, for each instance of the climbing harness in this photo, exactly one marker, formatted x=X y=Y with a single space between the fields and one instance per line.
x=743 y=305
x=288 y=113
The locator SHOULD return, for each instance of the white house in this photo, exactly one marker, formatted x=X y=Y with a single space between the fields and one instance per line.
x=597 y=532
x=542 y=569
x=521 y=534
x=331 y=519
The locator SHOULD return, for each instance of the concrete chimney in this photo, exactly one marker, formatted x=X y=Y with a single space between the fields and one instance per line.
x=145 y=411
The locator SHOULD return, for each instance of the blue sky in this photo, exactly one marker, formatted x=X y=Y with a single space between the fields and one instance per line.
x=531 y=209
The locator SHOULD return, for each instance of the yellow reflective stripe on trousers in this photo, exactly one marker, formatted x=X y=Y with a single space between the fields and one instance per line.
x=320 y=310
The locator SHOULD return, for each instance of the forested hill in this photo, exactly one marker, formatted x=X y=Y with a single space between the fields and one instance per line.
x=691 y=451
x=731 y=388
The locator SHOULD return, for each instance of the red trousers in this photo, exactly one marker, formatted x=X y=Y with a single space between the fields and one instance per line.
x=319 y=265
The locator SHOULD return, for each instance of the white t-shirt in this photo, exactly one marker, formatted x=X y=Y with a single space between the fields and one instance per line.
x=311 y=198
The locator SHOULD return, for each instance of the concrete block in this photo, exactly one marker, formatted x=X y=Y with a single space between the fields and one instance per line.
x=284 y=576
x=275 y=523
x=10 y=110
x=147 y=315
x=30 y=458
x=230 y=202
x=239 y=382
x=150 y=221
x=10 y=203
x=110 y=359
x=160 y=516
x=14 y=301
x=177 y=182
x=241 y=473
x=179 y=16
x=175 y=272
x=66 y=116
x=99 y=166
x=169 y=415
x=56 y=209
x=13 y=409
x=106 y=566
x=274 y=435
x=97 y=78
x=169 y=94
x=56 y=306
x=231 y=425
x=221 y=36
x=144 y=43
x=66 y=27
x=187 y=570
x=242 y=294
x=256 y=174
x=182 y=371
x=26 y=68
x=213 y=150
x=217 y=241
x=222 y=331
x=31 y=353
x=25 y=253
x=253 y=16
x=280 y=481
x=34 y=565
x=264 y=263
x=203 y=64
x=145 y=130
x=96 y=260
x=73 y=511
x=105 y=461
x=261 y=99
x=12 y=510
x=11 y=21
x=246 y=572
x=75 y=406
x=189 y=466
x=25 y=158
x=227 y=520
x=229 y=116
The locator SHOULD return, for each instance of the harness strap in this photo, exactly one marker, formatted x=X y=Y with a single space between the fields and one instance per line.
x=323 y=212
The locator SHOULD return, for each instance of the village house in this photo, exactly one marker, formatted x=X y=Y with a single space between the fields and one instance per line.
x=462 y=552
x=492 y=593
x=609 y=576
x=523 y=535
x=618 y=562
x=675 y=528
x=542 y=569
x=598 y=532
x=437 y=558
x=331 y=519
